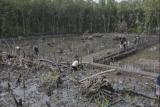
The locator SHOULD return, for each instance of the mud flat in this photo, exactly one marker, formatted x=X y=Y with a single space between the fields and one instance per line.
x=30 y=81
x=40 y=88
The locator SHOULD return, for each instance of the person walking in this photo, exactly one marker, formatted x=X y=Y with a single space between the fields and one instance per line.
x=75 y=65
x=124 y=44
x=138 y=39
x=36 y=49
x=18 y=50
x=158 y=87
x=121 y=44
x=135 y=41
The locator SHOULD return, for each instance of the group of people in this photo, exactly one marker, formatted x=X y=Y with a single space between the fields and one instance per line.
x=122 y=43
x=136 y=40
x=18 y=49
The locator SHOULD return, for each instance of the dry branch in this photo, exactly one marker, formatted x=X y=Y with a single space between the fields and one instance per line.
x=111 y=70
x=131 y=91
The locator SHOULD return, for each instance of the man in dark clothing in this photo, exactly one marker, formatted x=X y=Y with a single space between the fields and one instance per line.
x=138 y=39
x=124 y=39
x=36 y=49
x=135 y=41
x=10 y=56
x=158 y=87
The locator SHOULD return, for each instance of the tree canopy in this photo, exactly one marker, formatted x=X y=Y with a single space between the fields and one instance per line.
x=19 y=17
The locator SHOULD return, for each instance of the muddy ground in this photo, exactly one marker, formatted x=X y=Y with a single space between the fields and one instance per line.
x=40 y=89
x=64 y=47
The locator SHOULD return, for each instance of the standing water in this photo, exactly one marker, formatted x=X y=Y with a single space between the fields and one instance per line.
x=150 y=55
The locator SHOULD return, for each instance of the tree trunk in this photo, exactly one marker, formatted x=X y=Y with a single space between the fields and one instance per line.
x=38 y=24
x=80 y=23
x=24 y=31
x=52 y=23
x=104 y=23
x=149 y=26
x=17 y=25
x=69 y=25
x=57 y=27
x=43 y=22
x=108 y=23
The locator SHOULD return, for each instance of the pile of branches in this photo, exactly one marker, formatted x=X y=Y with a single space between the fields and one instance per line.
x=97 y=89
x=18 y=62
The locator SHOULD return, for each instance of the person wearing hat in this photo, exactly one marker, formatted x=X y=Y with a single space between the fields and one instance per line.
x=75 y=65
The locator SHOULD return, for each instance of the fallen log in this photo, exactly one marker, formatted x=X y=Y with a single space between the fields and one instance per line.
x=111 y=70
x=131 y=91
x=115 y=102
x=57 y=65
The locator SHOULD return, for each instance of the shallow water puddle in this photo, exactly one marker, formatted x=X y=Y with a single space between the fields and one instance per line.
x=151 y=52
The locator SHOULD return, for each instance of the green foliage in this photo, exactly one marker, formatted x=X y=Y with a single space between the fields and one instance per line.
x=91 y=37
x=118 y=98
x=132 y=30
x=104 y=36
x=141 y=79
x=19 y=17
x=20 y=37
x=49 y=78
x=140 y=29
x=131 y=100
x=103 y=103
x=79 y=68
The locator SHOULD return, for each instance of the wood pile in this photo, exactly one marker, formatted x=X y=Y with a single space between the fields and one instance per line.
x=18 y=62
x=97 y=89
x=97 y=35
x=86 y=37
x=116 y=38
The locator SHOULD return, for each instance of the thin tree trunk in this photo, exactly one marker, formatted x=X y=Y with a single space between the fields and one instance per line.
x=17 y=25
x=52 y=23
x=23 y=22
x=108 y=23
x=69 y=25
x=149 y=27
x=80 y=23
x=104 y=23
x=57 y=27
x=38 y=24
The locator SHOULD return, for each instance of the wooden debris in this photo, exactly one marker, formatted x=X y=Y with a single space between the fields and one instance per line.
x=97 y=89
x=111 y=70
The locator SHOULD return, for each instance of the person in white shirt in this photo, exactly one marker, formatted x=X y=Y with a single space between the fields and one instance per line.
x=18 y=50
x=75 y=65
